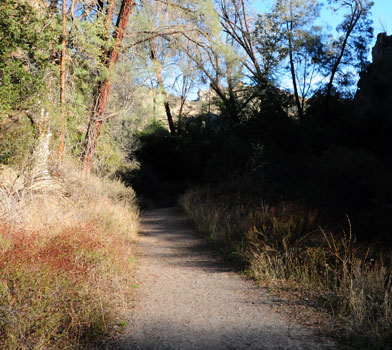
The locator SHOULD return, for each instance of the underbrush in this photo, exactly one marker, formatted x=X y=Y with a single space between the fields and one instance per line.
x=284 y=244
x=65 y=262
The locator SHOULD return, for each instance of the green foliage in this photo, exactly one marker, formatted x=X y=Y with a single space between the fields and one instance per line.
x=355 y=55
x=88 y=43
x=27 y=40
x=156 y=128
x=16 y=140
x=288 y=41
x=110 y=157
x=28 y=45
x=289 y=27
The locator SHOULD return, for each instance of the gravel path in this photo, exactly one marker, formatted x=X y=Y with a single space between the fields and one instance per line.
x=191 y=299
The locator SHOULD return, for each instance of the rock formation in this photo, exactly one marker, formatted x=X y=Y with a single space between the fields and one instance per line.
x=374 y=95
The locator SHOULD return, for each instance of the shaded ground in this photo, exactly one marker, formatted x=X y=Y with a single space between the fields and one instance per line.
x=191 y=299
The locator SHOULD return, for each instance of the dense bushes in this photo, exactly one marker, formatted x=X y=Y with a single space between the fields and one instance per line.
x=326 y=164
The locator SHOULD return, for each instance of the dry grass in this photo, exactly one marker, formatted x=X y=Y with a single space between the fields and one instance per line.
x=65 y=262
x=284 y=244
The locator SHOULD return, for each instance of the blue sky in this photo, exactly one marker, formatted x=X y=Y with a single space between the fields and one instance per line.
x=381 y=14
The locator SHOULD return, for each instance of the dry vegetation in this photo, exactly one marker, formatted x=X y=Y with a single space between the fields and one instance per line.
x=285 y=245
x=65 y=261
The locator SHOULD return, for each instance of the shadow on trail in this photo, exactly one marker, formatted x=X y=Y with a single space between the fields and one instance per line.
x=191 y=299
x=184 y=248
x=187 y=336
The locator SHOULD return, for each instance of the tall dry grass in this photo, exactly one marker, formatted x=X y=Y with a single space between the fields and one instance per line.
x=65 y=261
x=284 y=244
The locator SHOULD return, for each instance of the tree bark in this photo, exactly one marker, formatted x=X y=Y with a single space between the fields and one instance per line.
x=103 y=90
x=109 y=15
x=296 y=95
x=41 y=179
x=62 y=80
x=155 y=58
x=179 y=124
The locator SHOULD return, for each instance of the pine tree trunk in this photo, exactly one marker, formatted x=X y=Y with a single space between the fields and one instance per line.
x=103 y=90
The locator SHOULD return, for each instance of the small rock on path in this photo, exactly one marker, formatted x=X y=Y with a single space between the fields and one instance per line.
x=191 y=299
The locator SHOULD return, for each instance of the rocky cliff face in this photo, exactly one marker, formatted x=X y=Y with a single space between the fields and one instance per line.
x=374 y=95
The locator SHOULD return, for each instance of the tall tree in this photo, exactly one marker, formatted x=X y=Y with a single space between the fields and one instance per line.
x=183 y=83
x=350 y=48
x=103 y=89
x=158 y=67
x=270 y=45
x=215 y=54
x=26 y=72
x=62 y=78
x=295 y=40
x=24 y=49
x=236 y=22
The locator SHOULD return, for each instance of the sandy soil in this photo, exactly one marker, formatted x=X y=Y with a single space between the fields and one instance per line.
x=191 y=299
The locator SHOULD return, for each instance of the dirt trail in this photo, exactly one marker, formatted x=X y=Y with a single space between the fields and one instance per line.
x=191 y=299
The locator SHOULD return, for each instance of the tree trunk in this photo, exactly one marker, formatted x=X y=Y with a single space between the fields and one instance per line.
x=356 y=15
x=41 y=180
x=155 y=58
x=62 y=80
x=103 y=90
x=292 y=69
x=296 y=95
x=109 y=15
x=179 y=125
